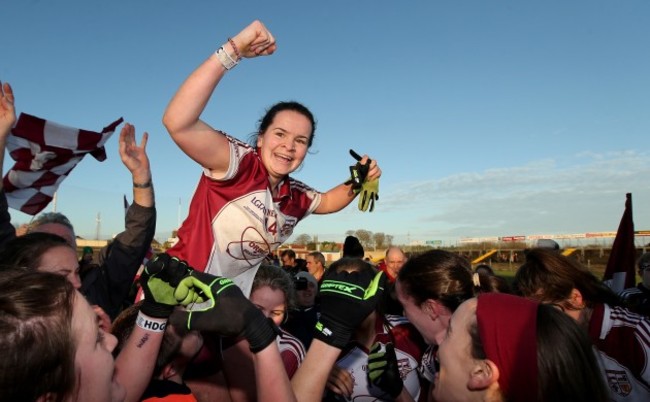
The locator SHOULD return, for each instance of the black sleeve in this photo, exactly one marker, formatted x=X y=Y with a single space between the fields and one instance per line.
x=7 y=230
x=120 y=260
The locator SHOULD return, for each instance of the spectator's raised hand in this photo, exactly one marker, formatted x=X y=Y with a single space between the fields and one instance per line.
x=134 y=156
x=7 y=110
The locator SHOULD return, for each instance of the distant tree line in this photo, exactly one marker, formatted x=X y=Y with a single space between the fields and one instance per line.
x=368 y=239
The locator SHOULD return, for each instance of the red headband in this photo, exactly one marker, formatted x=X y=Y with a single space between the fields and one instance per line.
x=507 y=326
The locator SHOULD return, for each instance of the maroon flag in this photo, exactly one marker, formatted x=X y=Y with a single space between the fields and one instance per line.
x=45 y=153
x=620 y=271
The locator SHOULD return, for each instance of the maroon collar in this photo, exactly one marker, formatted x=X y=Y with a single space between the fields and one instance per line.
x=284 y=189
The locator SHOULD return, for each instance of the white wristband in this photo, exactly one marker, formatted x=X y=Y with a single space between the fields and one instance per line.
x=226 y=60
x=151 y=324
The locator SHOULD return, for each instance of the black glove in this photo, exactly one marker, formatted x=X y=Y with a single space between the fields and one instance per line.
x=159 y=280
x=347 y=298
x=216 y=304
x=383 y=370
x=358 y=172
x=368 y=189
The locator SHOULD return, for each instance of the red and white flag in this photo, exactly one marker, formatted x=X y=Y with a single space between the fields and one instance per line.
x=620 y=272
x=45 y=153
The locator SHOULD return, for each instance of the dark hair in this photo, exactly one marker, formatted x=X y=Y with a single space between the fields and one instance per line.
x=318 y=256
x=484 y=267
x=288 y=253
x=566 y=364
x=270 y=114
x=438 y=275
x=38 y=347
x=351 y=264
x=352 y=247
x=490 y=283
x=277 y=279
x=549 y=276
x=122 y=329
x=26 y=251
x=355 y=264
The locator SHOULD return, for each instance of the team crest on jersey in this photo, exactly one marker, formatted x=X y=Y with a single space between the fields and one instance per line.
x=251 y=247
x=287 y=226
x=619 y=382
x=404 y=367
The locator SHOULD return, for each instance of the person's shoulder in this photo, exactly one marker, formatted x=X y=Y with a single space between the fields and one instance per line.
x=288 y=341
x=396 y=320
x=626 y=318
x=629 y=292
x=297 y=185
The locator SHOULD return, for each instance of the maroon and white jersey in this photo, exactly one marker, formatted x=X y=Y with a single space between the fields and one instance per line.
x=408 y=350
x=234 y=221
x=292 y=352
x=622 y=340
x=428 y=363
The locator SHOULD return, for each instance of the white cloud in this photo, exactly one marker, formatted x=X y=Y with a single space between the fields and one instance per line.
x=583 y=194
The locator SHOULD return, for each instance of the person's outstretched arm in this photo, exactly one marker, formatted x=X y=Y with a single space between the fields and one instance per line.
x=7 y=121
x=124 y=256
x=135 y=363
x=309 y=381
x=197 y=139
x=346 y=300
x=135 y=159
x=271 y=377
x=342 y=195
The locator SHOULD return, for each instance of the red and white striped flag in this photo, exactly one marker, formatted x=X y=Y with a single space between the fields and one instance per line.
x=620 y=272
x=45 y=153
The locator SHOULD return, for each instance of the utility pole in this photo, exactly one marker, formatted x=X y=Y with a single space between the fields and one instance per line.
x=99 y=223
x=178 y=221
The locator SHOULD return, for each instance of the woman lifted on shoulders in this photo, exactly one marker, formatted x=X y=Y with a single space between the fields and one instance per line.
x=246 y=203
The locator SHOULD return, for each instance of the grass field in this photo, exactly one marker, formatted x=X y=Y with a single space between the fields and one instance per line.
x=509 y=272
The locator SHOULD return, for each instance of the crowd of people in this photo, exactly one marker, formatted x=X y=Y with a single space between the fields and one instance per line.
x=225 y=317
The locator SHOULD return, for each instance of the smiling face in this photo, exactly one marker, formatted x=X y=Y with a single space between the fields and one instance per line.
x=61 y=260
x=272 y=302
x=284 y=144
x=454 y=356
x=307 y=297
x=94 y=364
x=395 y=260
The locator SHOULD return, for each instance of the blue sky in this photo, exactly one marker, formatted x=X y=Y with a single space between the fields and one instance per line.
x=490 y=118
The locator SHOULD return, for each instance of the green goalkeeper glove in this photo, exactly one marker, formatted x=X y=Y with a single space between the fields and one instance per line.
x=383 y=371
x=159 y=280
x=368 y=190
x=369 y=194
x=216 y=304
